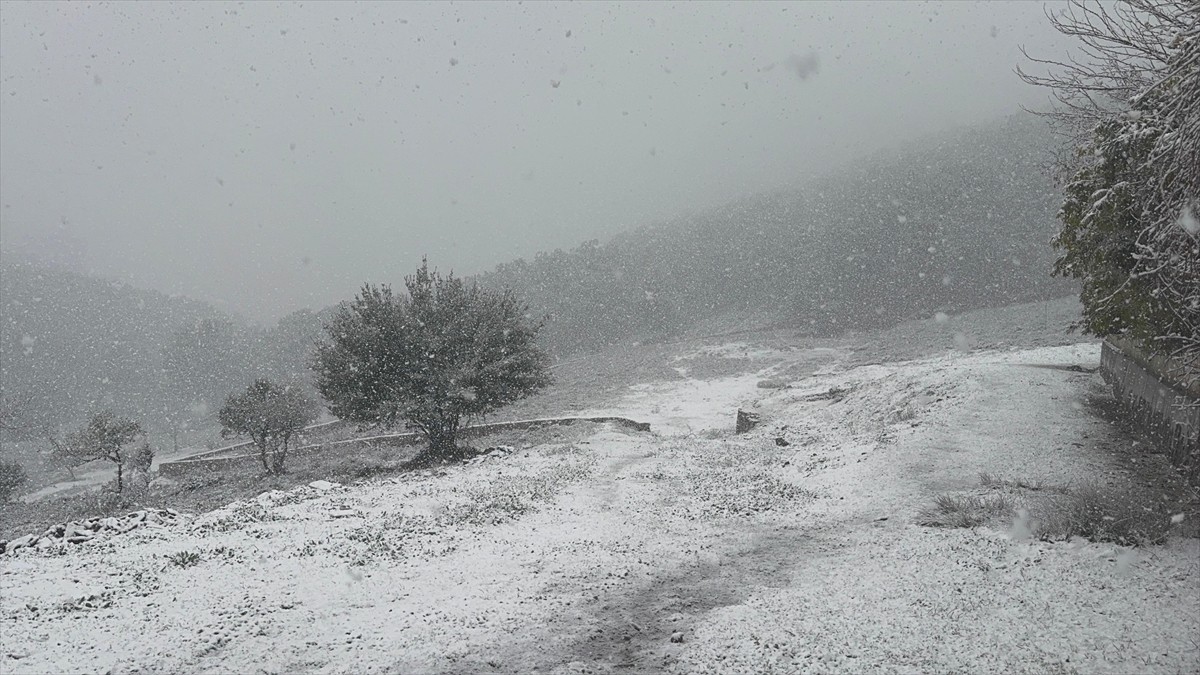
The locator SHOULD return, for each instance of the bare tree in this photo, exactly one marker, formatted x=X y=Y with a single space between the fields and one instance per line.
x=105 y=437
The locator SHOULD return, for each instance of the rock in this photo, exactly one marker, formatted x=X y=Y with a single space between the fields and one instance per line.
x=746 y=421
x=22 y=542
x=677 y=637
x=322 y=485
x=781 y=441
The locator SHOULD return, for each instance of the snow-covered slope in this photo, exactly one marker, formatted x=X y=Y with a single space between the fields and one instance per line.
x=793 y=548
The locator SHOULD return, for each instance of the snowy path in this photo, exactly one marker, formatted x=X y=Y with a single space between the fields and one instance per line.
x=592 y=557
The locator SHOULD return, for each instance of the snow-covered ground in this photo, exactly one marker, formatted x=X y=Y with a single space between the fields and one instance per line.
x=793 y=548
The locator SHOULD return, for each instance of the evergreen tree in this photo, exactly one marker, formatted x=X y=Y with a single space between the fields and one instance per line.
x=442 y=354
x=1131 y=105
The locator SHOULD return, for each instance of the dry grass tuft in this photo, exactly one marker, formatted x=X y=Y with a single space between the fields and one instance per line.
x=1102 y=515
x=993 y=481
x=967 y=510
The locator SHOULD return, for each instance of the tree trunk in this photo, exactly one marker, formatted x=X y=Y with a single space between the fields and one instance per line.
x=120 y=481
x=278 y=457
x=442 y=439
x=262 y=454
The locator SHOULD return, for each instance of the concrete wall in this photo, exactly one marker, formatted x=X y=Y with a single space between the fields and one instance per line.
x=250 y=461
x=1159 y=396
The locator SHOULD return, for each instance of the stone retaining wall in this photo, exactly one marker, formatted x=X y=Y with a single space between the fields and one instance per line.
x=207 y=462
x=1159 y=396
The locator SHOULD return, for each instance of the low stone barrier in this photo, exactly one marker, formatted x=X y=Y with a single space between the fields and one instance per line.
x=92 y=529
x=1161 y=397
x=221 y=460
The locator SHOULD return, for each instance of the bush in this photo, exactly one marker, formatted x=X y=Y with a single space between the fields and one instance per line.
x=1103 y=515
x=966 y=510
x=184 y=559
x=12 y=479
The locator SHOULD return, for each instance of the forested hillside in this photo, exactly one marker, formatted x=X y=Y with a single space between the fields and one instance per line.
x=959 y=221
x=71 y=344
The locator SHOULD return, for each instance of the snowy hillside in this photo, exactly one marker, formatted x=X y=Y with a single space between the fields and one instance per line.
x=804 y=545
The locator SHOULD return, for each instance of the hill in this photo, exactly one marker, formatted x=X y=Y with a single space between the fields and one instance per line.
x=71 y=344
x=956 y=222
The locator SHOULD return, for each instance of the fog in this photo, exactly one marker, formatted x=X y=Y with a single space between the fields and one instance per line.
x=270 y=157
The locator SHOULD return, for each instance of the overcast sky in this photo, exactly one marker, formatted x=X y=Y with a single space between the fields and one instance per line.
x=268 y=157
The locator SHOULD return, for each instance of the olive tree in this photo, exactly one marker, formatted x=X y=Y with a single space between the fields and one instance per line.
x=105 y=437
x=441 y=354
x=271 y=415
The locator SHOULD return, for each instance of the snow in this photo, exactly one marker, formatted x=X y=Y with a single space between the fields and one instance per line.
x=1188 y=221
x=686 y=550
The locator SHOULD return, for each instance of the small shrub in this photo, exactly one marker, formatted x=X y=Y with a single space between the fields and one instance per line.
x=966 y=510
x=12 y=479
x=184 y=559
x=223 y=552
x=1102 y=515
x=510 y=497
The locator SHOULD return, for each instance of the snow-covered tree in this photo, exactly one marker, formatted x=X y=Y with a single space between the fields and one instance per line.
x=434 y=358
x=1130 y=229
x=271 y=415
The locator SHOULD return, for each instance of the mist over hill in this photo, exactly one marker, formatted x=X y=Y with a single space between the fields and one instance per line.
x=71 y=344
x=958 y=221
